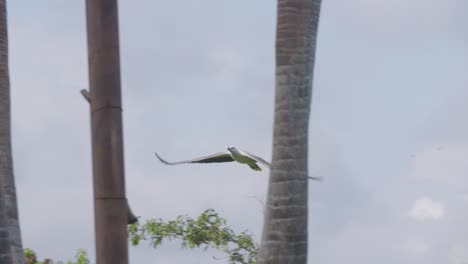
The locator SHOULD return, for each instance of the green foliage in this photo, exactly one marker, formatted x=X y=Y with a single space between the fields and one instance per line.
x=80 y=258
x=31 y=258
x=208 y=230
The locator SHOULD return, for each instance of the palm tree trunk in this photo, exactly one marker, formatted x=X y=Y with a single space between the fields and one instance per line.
x=110 y=204
x=284 y=237
x=10 y=236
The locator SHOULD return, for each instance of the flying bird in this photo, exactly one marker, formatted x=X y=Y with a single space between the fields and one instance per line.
x=232 y=154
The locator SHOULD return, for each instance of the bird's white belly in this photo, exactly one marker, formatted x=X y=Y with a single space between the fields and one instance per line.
x=241 y=158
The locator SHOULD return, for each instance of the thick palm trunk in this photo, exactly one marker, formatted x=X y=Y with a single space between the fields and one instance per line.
x=10 y=236
x=284 y=238
x=110 y=204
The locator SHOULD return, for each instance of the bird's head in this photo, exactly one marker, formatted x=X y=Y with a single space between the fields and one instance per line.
x=231 y=148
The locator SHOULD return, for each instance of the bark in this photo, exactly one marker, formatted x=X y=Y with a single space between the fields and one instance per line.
x=5 y=252
x=130 y=215
x=285 y=234
x=10 y=236
x=110 y=203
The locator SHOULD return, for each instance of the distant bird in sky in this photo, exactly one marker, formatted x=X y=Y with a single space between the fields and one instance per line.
x=232 y=154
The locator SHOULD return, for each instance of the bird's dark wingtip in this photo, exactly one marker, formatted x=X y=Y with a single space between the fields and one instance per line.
x=315 y=178
x=160 y=159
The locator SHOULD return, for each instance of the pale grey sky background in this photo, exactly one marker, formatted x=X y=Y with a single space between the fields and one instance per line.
x=388 y=128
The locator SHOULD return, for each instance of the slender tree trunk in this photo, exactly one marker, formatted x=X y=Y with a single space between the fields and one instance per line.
x=11 y=250
x=284 y=238
x=110 y=203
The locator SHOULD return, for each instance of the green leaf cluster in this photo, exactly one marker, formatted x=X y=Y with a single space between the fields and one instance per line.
x=81 y=257
x=207 y=231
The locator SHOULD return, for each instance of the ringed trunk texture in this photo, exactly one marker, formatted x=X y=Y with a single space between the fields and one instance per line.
x=285 y=234
x=110 y=203
x=11 y=250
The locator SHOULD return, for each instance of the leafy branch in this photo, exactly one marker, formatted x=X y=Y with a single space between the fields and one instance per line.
x=208 y=231
x=31 y=258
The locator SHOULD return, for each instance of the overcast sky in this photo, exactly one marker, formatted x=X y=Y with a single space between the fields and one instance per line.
x=388 y=129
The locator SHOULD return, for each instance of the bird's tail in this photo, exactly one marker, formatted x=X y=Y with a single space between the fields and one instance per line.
x=254 y=166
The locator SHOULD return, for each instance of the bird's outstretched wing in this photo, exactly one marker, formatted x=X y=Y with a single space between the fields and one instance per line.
x=215 y=158
x=257 y=158
x=266 y=163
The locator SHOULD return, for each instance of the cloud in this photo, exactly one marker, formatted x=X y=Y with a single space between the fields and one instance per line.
x=444 y=163
x=463 y=197
x=402 y=15
x=416 y=245
x=459 y=253
x=366 y=243
x=426 y=208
